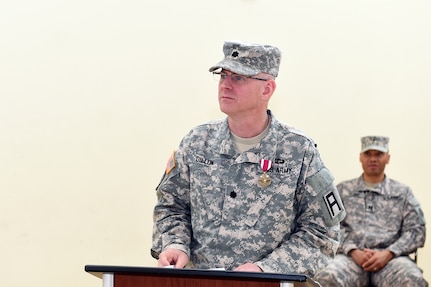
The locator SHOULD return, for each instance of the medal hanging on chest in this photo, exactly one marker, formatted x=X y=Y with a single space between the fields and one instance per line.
x=264 y=179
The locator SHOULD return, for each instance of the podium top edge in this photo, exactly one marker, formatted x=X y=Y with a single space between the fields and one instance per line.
x=99 y=270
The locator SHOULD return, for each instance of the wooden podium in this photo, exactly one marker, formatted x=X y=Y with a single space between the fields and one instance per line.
x=132 y=276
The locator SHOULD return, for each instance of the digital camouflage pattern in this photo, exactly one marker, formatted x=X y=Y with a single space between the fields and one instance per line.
x=211 y=206
x=385 y=217
x=375 y=143
x=249 y=59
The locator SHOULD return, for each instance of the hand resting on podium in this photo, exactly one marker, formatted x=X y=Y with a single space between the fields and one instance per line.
x=174 y=258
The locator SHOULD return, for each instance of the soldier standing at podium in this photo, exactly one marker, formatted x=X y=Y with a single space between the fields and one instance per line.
x=248 y=192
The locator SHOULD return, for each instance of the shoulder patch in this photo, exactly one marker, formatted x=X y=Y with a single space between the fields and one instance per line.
x=415 y=203
x=328 y=197
x=333 y=204
x=171 y=163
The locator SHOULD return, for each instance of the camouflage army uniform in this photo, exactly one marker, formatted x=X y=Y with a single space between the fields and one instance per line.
x=211 y=206
x=386 y=217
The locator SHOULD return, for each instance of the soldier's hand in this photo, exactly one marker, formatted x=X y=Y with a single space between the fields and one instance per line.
x=378 y=260
x=360 y=256
x=174 y=257
x=249 y=267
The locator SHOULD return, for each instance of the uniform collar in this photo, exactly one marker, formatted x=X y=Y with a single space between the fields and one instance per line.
x=266 y=149
x=363 y=187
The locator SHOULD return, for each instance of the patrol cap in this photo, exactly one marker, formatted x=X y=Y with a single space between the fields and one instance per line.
x=375 y=142
x=249 y=59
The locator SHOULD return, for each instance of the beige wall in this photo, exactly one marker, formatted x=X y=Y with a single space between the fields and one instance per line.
x=95 y=95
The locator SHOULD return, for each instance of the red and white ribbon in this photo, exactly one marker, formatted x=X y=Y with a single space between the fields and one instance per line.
x=265 y=164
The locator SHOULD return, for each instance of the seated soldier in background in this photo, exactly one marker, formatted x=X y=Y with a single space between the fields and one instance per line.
x=384 y=223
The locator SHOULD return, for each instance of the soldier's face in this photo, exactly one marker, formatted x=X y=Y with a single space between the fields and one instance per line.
x=374 y=162
x=237 y=99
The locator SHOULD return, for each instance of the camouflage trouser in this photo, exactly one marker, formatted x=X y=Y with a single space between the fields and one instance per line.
x=343 y=271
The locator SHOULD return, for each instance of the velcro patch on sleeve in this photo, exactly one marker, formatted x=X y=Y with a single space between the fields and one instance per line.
x=415 y=203
x=329 y=198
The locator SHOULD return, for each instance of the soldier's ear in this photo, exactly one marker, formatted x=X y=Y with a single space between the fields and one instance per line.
x=269 y=89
